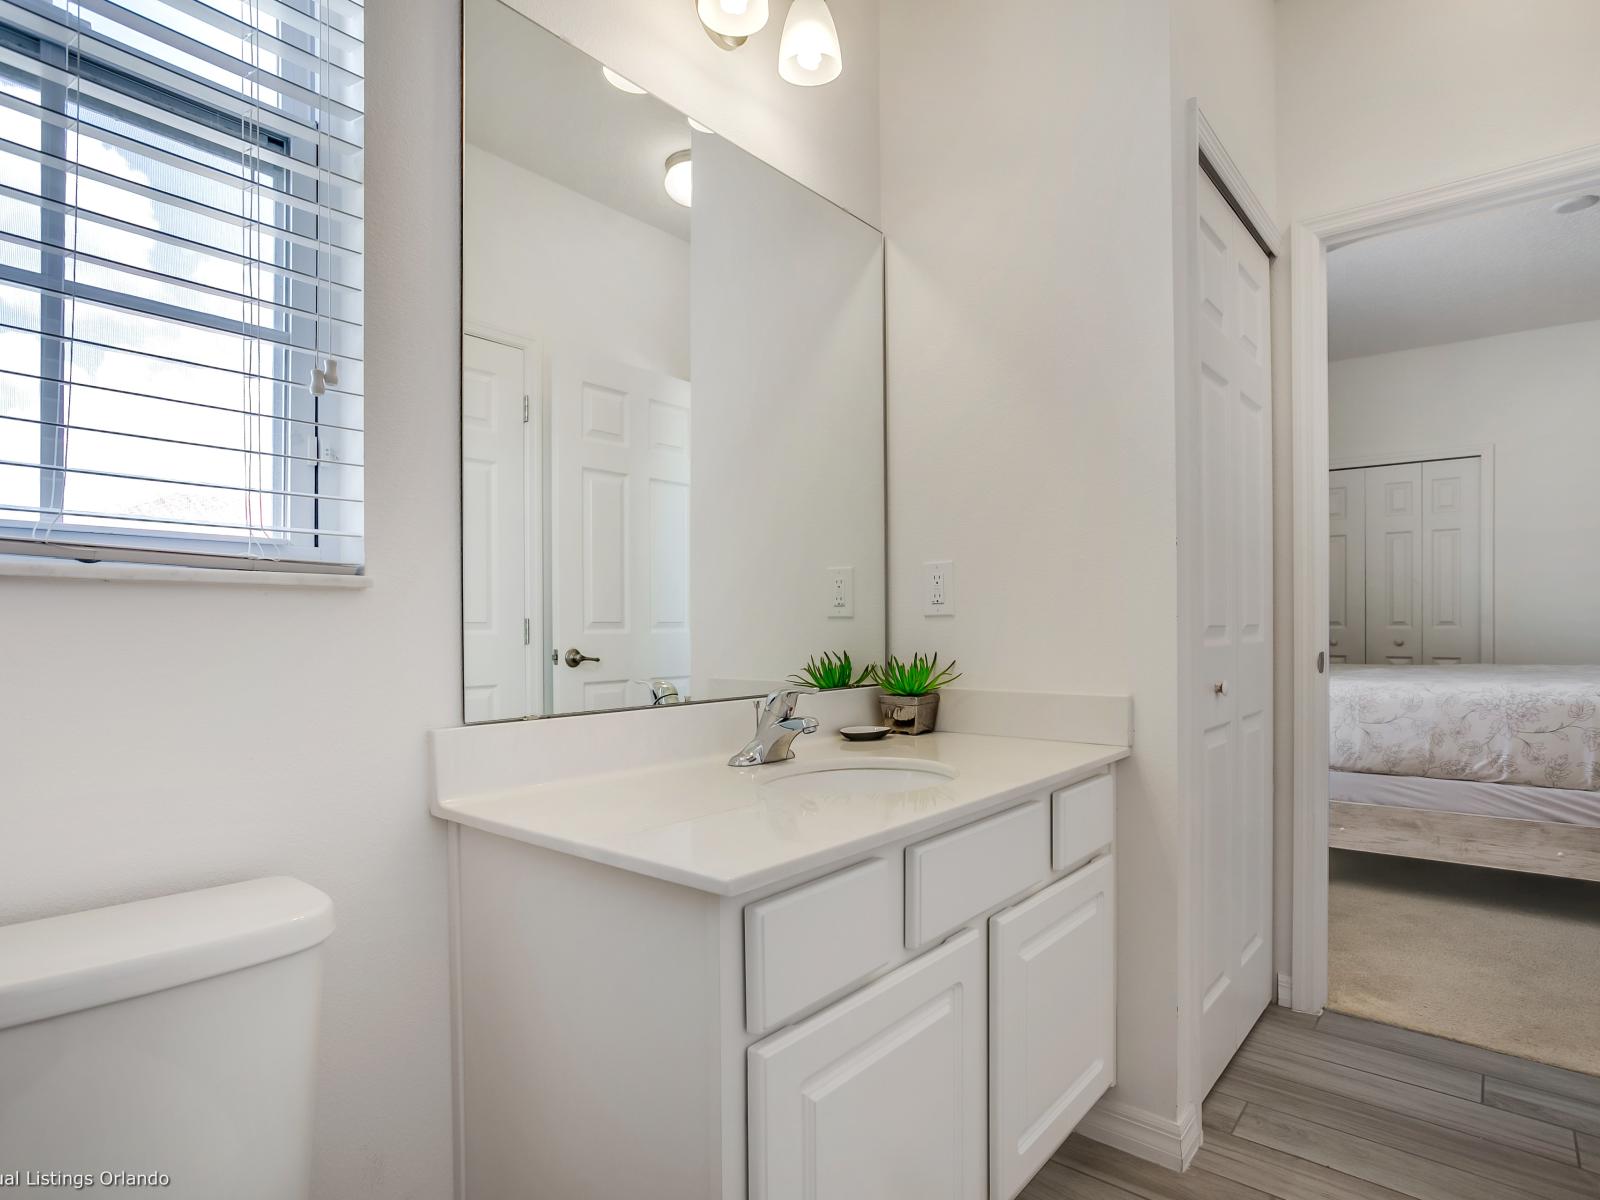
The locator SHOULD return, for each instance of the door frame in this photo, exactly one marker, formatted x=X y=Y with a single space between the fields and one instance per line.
x=1309 y=243
x=1485 y=456
x=533 y=483
x=1199 y=150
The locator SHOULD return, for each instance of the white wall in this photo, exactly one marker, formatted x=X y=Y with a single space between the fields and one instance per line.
x=547 y=263
x=787 y=424
x=1224 y=53
x=825 y=137
x=1534 y=397
x=1381 y=97
x=160 y=737
x=1028 y=200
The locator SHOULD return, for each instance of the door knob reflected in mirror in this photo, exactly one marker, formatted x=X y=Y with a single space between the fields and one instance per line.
x=577 y=657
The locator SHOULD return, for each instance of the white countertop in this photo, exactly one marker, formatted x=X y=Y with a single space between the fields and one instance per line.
x=706 y=825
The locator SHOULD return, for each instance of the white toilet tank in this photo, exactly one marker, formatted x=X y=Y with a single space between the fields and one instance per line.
x=165 y=1047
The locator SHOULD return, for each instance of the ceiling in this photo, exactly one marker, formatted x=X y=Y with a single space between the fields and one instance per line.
x=1520 y=267
x=536 y=101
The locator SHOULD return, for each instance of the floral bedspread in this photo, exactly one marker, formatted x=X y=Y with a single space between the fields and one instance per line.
x=1492 y=724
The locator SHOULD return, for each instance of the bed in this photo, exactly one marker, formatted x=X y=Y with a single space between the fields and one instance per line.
x=1495 y=766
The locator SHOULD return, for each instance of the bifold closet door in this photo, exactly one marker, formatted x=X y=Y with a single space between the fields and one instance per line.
x=1347 y=566
x=1234 y=631
x=1451 y=568
x=1394 y=564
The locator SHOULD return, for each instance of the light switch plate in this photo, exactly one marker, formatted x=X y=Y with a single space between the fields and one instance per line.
x=841 y=591
x=938 y=592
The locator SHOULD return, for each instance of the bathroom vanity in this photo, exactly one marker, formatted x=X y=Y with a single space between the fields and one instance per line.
x=881 y=970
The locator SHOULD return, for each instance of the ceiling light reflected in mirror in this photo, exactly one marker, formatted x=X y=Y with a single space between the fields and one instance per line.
x=622 y=84
x=679 y=179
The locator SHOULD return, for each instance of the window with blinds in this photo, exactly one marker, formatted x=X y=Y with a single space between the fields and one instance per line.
x=180 y=281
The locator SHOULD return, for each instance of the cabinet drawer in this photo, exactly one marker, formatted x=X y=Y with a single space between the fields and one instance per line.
x=955 y=876
x=807 y=944
x=1083 y=821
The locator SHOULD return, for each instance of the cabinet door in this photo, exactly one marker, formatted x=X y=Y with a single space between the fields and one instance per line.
x=882 y=1096
x=1052 y=1020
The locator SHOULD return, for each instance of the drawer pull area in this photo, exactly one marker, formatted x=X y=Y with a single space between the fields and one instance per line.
x=957 y=875
x=813 y=941
x=1083 y=821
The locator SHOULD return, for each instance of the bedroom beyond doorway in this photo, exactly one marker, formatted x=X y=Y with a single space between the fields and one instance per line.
x=1464 y=691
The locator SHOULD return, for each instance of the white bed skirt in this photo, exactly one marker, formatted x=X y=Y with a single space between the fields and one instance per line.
x=1567 y=806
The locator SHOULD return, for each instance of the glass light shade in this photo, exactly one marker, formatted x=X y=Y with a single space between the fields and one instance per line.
x=621 y=83
x=679 y=179
x=733 y=18
x=809 y=53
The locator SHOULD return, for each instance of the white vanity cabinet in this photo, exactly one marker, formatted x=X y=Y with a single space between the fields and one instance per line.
x=924 y=1020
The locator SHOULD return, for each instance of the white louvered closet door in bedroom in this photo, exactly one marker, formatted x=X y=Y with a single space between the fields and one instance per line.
x=1404 y=566
x=1234 y=633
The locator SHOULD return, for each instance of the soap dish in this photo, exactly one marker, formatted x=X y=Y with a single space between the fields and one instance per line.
x=864 y=733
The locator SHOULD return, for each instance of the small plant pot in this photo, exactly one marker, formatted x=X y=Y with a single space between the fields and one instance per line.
x=910 y=714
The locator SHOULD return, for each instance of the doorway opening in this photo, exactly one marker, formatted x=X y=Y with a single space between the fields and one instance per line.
x=1447 y=664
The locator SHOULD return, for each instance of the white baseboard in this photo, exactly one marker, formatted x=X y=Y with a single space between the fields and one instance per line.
x=1145 y=1135
x=1285 y=991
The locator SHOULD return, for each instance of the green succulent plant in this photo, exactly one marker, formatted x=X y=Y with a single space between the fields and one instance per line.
x=915 y=678
x=832 y=671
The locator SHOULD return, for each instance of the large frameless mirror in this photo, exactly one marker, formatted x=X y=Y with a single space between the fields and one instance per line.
x=672 y=398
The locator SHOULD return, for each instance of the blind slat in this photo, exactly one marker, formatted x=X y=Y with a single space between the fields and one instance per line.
x=170 y=441
x=131 y=477
x=243 y=527
x=230 y=410
x=185 y=245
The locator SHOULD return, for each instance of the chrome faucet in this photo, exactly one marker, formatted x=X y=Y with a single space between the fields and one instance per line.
x=776 y=728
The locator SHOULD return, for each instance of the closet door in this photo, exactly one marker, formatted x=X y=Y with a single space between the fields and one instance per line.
x=1233 y=761
x=1347 y=566
x=1451 y=568
x=1394 y=564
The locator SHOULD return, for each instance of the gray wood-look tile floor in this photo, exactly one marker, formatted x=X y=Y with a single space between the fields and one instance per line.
x=1336 y=1108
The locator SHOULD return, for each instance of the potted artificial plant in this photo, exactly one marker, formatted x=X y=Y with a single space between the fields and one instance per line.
x=910 y=699
x=831 y=671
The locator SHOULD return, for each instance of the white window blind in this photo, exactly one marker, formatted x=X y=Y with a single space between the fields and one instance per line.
x=180 y=280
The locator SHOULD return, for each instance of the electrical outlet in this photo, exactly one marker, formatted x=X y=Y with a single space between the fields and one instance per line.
x=841 y=591
x=938 y=593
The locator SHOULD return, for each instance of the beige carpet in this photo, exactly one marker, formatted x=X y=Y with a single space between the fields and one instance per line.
x=1492 y=958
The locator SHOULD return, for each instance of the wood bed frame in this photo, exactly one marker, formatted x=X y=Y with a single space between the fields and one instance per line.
x=1504 y=843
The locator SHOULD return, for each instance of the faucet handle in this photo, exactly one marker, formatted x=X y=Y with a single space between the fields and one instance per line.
x=779 y=705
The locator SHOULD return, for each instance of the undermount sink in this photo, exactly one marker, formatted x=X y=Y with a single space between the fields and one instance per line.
x=882 y=777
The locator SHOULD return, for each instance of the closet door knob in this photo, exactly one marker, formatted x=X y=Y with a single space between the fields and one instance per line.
x=1219 y=689
x=1399 y=642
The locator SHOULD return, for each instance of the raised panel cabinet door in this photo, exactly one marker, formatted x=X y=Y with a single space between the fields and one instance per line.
x=1052 y=1020
x=1394 y=564
x=1451 y=568
x=1347 y=566
x=1232 y=760
x=883 y=1095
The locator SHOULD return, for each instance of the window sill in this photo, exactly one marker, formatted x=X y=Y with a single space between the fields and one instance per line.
x=124 y=572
